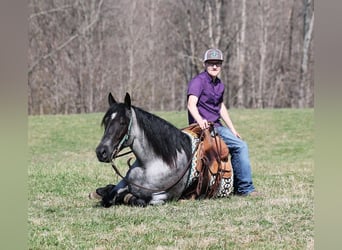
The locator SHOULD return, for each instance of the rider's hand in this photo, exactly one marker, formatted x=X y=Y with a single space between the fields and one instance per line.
x=203 y=124
x=236 y=133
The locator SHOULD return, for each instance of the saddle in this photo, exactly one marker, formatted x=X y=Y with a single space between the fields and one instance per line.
x=212 y=163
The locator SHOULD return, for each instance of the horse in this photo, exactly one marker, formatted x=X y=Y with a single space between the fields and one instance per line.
x=163 y=155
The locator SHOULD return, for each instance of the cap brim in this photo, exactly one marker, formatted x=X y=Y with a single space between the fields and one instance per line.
x=214 y=60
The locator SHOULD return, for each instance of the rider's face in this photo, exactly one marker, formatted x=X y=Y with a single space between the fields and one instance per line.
x=213 y=67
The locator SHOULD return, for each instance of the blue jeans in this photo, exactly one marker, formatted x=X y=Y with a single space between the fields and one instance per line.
x=238 y=150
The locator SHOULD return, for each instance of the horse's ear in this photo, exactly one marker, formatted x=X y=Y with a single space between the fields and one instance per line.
x=111 y=99
x=128 y=100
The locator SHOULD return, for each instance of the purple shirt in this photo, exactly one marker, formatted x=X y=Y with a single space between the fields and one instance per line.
x=210 y=96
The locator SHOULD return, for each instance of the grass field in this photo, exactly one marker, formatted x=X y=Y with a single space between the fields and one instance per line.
x=63 y=169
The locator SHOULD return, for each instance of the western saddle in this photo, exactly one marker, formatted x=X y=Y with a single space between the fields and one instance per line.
x=212 y=164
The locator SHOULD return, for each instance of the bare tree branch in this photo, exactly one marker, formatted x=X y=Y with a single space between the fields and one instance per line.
x=68 y=41
x=46 y=12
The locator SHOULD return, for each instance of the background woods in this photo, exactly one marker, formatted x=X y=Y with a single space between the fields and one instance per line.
x=81 y=50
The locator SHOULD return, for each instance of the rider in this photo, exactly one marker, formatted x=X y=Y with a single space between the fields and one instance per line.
x=205 y=104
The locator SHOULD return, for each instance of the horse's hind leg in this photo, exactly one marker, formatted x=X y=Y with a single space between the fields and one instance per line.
x=132 y=200
x=158 y=198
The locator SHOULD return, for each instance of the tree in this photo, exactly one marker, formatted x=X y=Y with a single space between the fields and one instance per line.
x=81 y=50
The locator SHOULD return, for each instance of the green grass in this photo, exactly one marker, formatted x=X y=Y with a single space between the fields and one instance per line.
x=63 y=169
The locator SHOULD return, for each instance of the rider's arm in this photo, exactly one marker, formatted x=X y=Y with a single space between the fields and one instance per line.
x=226 y=118
x=192 y=107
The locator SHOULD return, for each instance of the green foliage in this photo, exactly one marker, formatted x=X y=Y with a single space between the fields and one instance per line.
x=63 y=169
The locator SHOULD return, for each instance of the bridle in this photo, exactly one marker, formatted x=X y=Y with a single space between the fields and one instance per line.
x=123 y=140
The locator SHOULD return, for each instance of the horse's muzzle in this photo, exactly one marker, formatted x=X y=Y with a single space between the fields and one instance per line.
x=103 y=153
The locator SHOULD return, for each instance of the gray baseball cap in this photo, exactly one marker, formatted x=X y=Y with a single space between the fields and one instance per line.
x=213 y=54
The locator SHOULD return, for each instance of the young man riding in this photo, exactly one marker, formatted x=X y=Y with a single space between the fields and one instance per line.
x=205 y=104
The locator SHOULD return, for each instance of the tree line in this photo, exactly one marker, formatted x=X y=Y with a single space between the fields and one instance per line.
x=81 y=50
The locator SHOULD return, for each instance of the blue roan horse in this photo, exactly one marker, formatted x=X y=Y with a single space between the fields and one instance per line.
x=163 y=154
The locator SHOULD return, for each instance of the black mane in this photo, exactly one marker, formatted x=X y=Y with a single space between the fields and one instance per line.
x=164 y=138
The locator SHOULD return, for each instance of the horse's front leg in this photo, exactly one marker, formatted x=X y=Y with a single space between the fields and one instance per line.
x=115 y=195
x=120 y=194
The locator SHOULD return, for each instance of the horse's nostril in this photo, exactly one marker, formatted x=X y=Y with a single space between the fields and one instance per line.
x=104 y=154
x=101 y=153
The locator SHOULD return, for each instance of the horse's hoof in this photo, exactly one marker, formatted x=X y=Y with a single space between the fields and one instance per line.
x=106 y=204
x=137 y=202
x=103 y=191
x=131 y=200
x=94 y=196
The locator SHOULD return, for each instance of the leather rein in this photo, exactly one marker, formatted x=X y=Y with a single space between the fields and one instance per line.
x=119 y=148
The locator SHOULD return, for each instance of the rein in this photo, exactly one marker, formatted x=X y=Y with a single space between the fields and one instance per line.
x=114 y=156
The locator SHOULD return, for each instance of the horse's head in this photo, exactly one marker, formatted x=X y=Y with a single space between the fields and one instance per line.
x=116 y=122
